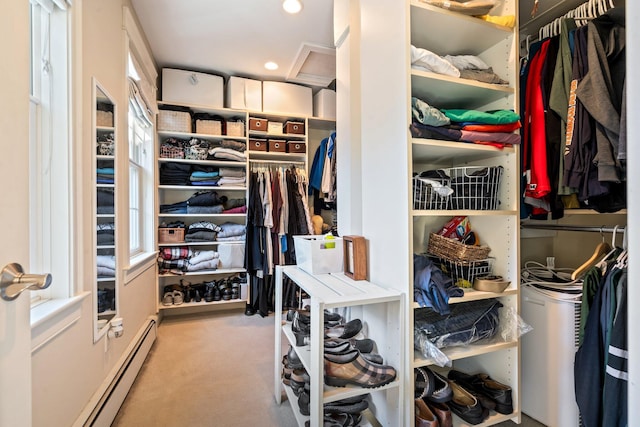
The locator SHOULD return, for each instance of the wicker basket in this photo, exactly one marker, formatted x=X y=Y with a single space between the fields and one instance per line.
x=450 y=249
x=209 y=127
x=104 y=118
x=170 y=235
x=175 y=121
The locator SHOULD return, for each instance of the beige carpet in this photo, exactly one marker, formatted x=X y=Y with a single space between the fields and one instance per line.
x=212 y=370
x=208 y=370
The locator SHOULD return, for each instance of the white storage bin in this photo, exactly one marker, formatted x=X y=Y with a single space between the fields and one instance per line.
x=316 y=255
x=190 y=87
x=324 y=104
x=286 y=98
x=244 y=94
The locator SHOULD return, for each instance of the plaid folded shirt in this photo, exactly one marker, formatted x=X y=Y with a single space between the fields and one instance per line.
x=170 y=254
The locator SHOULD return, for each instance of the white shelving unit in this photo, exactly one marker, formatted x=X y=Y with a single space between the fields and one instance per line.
x=168 y=194
x=444 y=32
x=377 y=307
x=103 y=146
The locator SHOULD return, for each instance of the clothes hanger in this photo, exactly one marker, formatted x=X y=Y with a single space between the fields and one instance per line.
x=603 y=248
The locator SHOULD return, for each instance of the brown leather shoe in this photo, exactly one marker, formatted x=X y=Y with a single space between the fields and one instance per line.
x=442 y=413
x=424 y=416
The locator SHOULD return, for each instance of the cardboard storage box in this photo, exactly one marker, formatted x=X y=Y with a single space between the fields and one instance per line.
x=190 y=87
x=257 y=144
x=258 y=124
x=324 y=104
x=316 y=255
x=286 y=98
x=294 y=127
x=244 y=94
x=278 y=145
x=235 y=128
x=296 y=147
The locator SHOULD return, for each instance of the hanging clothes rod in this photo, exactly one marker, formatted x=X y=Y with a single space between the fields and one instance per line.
x=276 y=162
x=588 y=229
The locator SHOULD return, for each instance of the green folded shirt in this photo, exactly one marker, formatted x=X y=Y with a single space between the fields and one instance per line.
x=497 y=117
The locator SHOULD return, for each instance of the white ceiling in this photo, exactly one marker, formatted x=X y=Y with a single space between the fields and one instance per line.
x=233 y=37
x=237 y=37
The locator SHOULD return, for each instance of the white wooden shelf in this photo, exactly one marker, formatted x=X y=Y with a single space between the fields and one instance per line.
x=220 y=215
x=445 y=32
x=275 y=156
x=449 y=92
x=189 y=135
x=224 y=112
x=461 y=212
x=329 y=291
x=202 y=303
x=105 y=186
x=461 y=352
x=105 y=128
x=202 y=187
x=267 y=135
x=211 y=243
x=225 y=163
x=105 y=157
x=205 y=272
x=473 y=295
x=452 y=152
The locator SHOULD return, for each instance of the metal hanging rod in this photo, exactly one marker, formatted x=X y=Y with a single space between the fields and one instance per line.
x=276 y=162
x=589 y=229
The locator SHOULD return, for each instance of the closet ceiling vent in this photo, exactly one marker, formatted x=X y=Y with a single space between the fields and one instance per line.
x=314 y=65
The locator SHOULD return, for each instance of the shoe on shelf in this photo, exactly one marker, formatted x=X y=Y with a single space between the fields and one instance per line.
x=430 y=385
x=167 y=299
x=344 y=331
x=178 y=297
x=424 y=417
x=484 y=385
x=346 y=346
x=209 y=290
x=442 y=413
x=364 y=345
x=351 y=405
x=465 y=405
x=351 y=368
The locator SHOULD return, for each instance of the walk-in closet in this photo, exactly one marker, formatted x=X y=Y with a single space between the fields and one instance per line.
x=320 y=213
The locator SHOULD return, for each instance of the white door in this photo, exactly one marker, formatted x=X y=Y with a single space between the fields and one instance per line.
x=15 y=331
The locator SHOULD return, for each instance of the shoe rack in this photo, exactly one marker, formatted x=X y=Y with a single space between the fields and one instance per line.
x=380 y=311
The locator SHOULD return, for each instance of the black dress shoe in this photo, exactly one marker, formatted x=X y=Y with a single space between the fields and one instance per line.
x=484 y=385
x=248 y=310
x=345 y=331
x=465 y=405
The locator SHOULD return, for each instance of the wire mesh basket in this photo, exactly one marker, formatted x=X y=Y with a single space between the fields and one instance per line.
x=464 y=273
x=475 y=188
x=426 y=196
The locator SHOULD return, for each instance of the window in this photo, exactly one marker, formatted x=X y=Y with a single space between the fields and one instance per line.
x=140 y=141
x=141 y=73
x=50 y=147
x=140 y=160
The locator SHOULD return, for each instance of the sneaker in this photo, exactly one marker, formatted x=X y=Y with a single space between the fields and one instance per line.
x=167 y=299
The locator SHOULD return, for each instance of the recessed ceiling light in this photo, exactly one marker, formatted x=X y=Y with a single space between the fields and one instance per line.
x=271 y=65
x=292 y=6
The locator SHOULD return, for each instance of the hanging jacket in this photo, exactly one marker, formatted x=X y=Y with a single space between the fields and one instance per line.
x=600 y=91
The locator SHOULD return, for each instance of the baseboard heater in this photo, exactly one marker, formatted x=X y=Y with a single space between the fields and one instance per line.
x=107 y=407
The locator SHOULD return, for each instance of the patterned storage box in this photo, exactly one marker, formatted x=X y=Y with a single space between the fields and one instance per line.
x=170 y=235
x=104 y=118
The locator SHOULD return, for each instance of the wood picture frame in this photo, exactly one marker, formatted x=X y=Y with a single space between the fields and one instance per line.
x=355 y=257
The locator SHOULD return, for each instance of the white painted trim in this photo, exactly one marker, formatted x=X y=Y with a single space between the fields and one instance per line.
x=53 y=317
x=139 y=264
x=100 y=392
x=138 y=41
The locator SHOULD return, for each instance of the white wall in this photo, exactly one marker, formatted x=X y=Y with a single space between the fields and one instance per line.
x=70 y=369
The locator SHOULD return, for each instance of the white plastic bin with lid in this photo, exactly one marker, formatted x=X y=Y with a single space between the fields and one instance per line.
x=318 y=255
